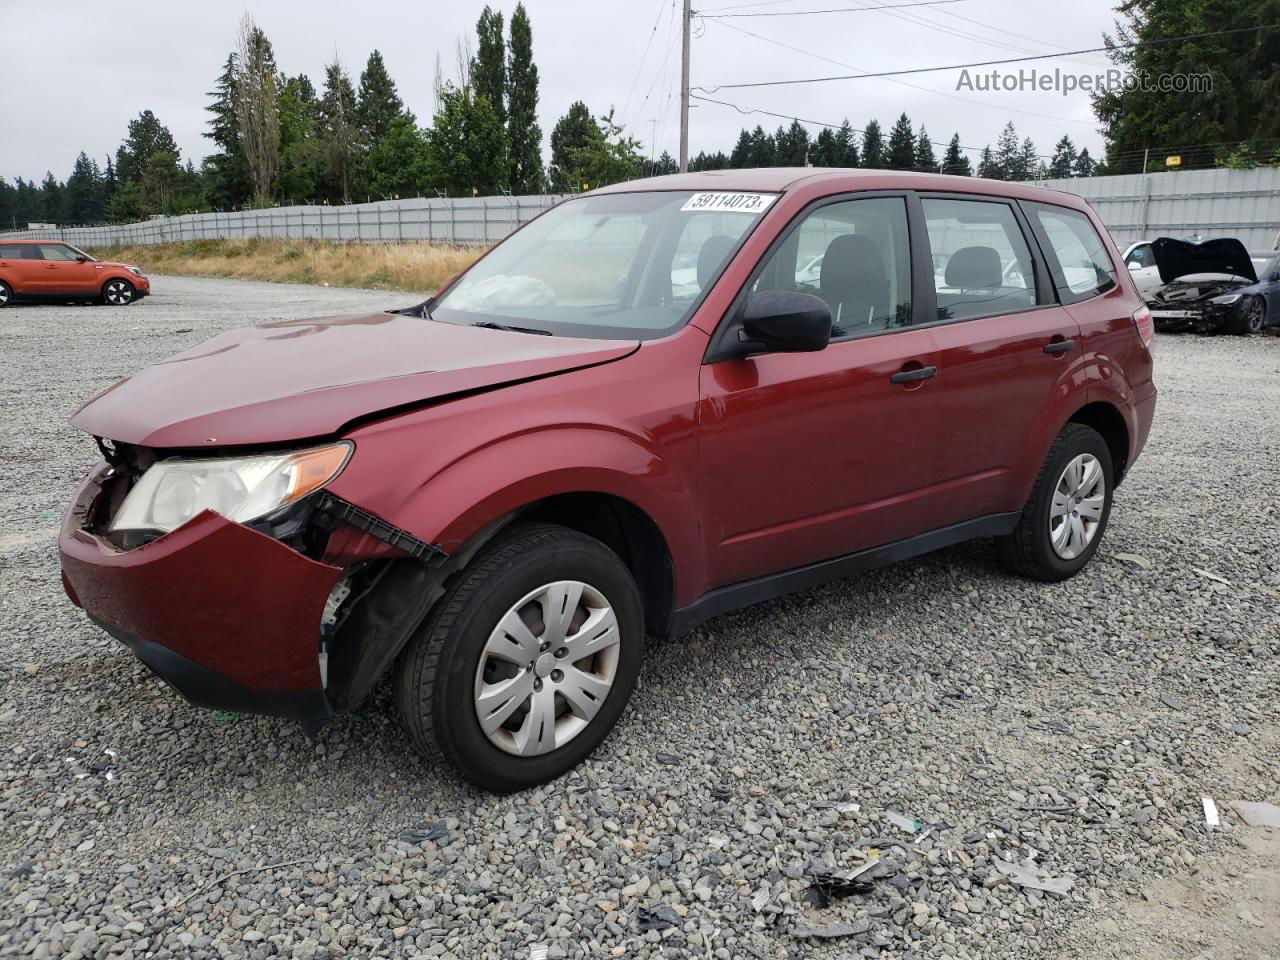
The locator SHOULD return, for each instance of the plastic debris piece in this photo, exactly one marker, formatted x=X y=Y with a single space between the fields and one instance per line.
x=660 y=917
x=1211 y=576
x=830 y=931
x=1172 y=702
x=537 y=951
x=849 y=807
x=901 y=822
x=670 y=759
x=1029 y=876
x=1257 y=814
x=434 y=831
x=1211 y=817
x=759 y=899
x=721 y=791
x=1133 y=558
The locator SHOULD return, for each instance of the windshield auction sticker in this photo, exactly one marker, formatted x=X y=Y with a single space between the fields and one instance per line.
x=730 y=202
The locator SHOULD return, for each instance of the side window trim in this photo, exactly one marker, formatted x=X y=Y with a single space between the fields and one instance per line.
x=1065 y=294
x=722 y=347
x=1046 y=288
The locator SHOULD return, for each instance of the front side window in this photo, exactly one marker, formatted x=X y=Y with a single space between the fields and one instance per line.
x=1081 y=253
x=855 y=255
x=56 y=251
x=981 y=262
x=616 y=266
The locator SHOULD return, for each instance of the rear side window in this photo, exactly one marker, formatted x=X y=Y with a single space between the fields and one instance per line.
x=1083 y=268
x=855 y=255
x=18 y=251
x=981 y=262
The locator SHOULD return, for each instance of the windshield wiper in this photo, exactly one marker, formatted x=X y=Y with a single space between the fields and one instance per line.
x=490 y=325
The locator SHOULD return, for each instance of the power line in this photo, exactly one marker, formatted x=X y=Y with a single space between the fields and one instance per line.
x=809 y=13
x=988 y=63
x=662 y=6
x=905 y=83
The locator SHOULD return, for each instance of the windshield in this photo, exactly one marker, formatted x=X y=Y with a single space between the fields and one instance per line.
x=617 y=266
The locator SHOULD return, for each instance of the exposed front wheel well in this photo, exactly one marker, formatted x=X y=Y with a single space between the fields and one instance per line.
x=1107 y=420
x=630 y=533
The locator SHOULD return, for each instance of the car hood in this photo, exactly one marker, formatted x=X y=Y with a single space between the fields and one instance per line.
x=1181 y=258
x=305 y=379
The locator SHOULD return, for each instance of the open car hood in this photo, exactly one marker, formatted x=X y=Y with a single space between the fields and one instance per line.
x=1182 y=258
x=305 y=379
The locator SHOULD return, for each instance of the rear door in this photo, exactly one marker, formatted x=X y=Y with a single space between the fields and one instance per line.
x=1005 y=350
x=808 y=456
x=23 y=267
x=64 y=272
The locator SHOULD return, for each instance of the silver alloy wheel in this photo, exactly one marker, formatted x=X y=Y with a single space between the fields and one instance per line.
x=118 y=293
x=547 y=668
x=1076 y=511
x=4 y=295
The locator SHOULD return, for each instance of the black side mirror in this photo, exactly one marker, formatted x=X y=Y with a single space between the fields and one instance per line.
x=784 y=321
x=81 y=258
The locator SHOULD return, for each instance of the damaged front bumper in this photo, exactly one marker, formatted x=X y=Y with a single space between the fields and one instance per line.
x=1203 y=318
x=229 y=617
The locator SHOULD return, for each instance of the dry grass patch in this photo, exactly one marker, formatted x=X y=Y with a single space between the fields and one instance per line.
x=416 y=267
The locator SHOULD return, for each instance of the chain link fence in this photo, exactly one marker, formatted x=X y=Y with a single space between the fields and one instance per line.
x=464 y=222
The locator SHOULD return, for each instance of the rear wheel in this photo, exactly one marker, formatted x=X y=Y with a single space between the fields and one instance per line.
x=117 y=293
x=1063 y=522
x=525 y=665
x=6 y=294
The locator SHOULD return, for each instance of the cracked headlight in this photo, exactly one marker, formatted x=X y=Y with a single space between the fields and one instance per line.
x=171 y=492
x=1227 y=299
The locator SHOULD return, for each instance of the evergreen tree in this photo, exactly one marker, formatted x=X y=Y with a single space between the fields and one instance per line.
x=524 y=136
x=926 y=162
x=400 y=162
x=663 y=166
x=1028 y=167
x=1085 y=165
x=83 y=203
x=489 y=67
x=762 y=148
x=987 y=166
x=825 y=151
x=791 y=146
x=608 y=157
x=338 y=131
x=52 y=208
x=955 y=162
x=572 y=132
x=902 y=145
x=147 y=136
x=741 y=155
x=1063 y=163
x=1008 y=156
x=846 y=147
x=304 y=158
x=709 y=161
x=873 y=155
x=227 y=181
x=377 y=102
x=464 y=143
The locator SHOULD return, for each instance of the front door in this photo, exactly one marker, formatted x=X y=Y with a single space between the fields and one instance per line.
x=808 y=456
x=64 y=273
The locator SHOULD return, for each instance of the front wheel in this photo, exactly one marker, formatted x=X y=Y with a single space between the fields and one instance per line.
x=1063 y=522
x=117 y=293
x=1250 y=317
x=525 y=665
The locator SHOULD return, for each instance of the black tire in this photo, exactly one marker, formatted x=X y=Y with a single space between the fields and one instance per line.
x=118 y=292
x=6 y=294
x=436 y=675
x=1029 y=549
x=1249 y=317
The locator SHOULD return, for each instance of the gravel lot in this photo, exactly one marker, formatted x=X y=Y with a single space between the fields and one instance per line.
x=1074 y=727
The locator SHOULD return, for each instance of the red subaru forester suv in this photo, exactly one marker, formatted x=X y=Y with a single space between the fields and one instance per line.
x=652 y=404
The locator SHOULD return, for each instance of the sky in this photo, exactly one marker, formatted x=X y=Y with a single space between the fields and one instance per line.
x=73 y=75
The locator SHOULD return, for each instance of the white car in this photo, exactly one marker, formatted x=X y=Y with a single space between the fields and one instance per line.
x=1141 y=261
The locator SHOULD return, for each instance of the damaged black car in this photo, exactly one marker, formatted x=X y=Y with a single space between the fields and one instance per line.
x=1214 y=286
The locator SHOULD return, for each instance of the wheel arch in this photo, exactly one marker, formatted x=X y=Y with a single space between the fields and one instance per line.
x=1108 y=421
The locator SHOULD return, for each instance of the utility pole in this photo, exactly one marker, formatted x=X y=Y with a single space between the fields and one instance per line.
x=684 y=91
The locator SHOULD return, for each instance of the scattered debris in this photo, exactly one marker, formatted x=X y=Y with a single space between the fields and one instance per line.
x=759 y=899
x=537 y=951
x=1211 y=817
x=1133 y=558
x=434 y=831
x=1172 y=702
x=1029 y=876
x=227 y=876
x=1257 y=814
x=670 y=759
x=903 y=823
x=660 y=917
x=849 y=807
x=830 y=931
x=721 y=791
x=828 y=886
x=1211 y=576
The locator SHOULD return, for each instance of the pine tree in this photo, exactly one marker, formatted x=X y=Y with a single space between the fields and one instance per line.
x=1085 y=165
x=524 y=136
x=303 y=152
x=338 y=130
x=1028 y=162
x=902 y=145
x=572 y=132
x=53 y=210
x=83 y=202
x=846 y=146
x=987 y=166
x=1063 y=163
x=791 y=146
x=954 y=161
x=763 y=148
x=1008 y=156
x=709 y=161
x=377 y=102
x=741 y=155
x=873 y=156
x=489 y=67
x=227 y=181
x=147 y=135
x=926 y=162
x=825 y=151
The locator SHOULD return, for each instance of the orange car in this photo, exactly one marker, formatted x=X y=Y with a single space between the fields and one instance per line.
x=36 y=271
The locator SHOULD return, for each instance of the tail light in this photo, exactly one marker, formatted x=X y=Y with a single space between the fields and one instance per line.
x=1145 y=325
